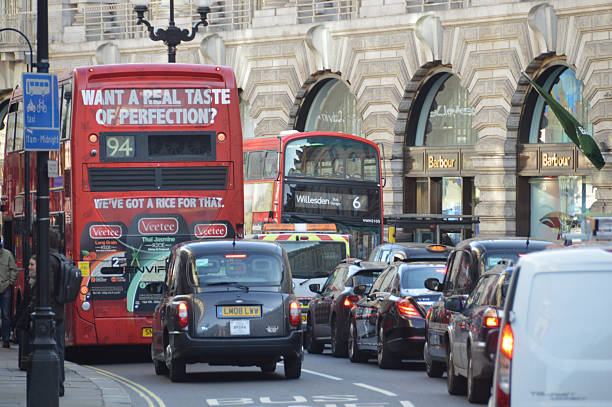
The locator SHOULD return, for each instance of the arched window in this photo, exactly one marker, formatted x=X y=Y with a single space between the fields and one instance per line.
x=330 y=106
x=444 y=116
x=563 y=85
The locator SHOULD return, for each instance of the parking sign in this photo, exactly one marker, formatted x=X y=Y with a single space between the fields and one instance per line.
x=41 y=112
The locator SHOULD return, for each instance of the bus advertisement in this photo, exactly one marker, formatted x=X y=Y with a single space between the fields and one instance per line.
x=150 y=156
x=315 y=177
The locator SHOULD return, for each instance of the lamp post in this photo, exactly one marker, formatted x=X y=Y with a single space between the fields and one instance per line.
x=171 y=36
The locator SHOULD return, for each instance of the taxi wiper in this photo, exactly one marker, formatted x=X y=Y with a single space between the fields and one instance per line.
x=317 y=276
x=230 y=283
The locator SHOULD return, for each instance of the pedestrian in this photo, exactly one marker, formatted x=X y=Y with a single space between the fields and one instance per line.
x=8 y=275
x=58 y=309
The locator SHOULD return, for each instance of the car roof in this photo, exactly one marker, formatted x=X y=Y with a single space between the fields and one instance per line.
x=567 y=259
x=501 y=243
x=415 y=264
x=198 y=247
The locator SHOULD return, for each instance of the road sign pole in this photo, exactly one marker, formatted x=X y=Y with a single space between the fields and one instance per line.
x=43 y=373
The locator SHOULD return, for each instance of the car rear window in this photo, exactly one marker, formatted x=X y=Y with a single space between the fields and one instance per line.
x=262 y=269
x=366 y=277
x=491 y=259
x=415 y=276
x=555 y=313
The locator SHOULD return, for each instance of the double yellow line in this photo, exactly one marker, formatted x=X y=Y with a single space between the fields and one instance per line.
x=151 y=398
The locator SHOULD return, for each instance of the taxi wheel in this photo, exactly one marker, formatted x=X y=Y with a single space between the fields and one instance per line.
x=293 y=367
x=268 y=367
x=176 y=368
x=312 y=345
x=434 y=368
x=386 y=359
x=338 y=346
x=160 y=367
x=477 y=389
x=455 y=384
x=354 y=354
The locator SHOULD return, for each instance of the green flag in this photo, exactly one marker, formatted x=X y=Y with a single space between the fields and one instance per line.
x=572 y=128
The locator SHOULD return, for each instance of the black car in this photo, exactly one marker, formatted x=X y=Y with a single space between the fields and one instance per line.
x=227 y=303
x=474 y=325
x=470 y=259
x=409 y=251
x=389 y=322
x=328 y=311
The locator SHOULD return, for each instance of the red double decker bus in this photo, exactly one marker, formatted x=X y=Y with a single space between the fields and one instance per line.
x=315 y=177
x=150 y=155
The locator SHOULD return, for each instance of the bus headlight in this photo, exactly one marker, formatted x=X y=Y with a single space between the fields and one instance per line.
x=85 y=305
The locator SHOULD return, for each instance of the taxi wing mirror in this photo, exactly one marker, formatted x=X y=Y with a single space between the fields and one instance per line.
x=433 y=284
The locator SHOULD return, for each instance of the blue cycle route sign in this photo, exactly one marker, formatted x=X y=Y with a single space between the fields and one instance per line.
x=41 y=112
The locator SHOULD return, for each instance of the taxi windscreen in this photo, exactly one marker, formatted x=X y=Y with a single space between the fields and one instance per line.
x=257 y=269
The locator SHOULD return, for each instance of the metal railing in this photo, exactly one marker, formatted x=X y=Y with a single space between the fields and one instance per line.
x=315 y=11
x=117 y=21
x=422 y=6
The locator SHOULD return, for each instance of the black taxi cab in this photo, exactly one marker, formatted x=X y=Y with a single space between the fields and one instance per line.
x=227 y=303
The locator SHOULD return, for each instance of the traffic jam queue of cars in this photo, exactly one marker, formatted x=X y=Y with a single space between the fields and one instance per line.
x=497 y=315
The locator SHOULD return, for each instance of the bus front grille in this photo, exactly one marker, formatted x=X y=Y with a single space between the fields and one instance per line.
x=157 y=179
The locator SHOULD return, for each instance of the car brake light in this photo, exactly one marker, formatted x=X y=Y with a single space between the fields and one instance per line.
x=183 y=316
x=407 y=309
x=491 y=322
x=507 y=341
x=349 y=301
x=504 y=367
x=235 y=256
x=294 y=313
x=490 y=318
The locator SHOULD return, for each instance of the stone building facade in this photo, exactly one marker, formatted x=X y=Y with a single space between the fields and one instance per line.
x=438 y=84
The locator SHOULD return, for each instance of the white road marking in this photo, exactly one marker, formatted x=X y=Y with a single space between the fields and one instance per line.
x=406 y=403
x=322 y=375
x=367 y=386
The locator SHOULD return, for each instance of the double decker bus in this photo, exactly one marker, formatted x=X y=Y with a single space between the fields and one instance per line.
x=150 y=155
x=315 y=177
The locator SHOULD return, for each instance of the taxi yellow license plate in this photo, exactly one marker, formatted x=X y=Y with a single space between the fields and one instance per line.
x=304 y=316
x=239 y=311
x=147 y=332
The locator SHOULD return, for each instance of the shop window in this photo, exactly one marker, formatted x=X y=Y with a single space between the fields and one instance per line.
x=554 y=203
x=330 y=106
x=563 y=85
x=443 y=113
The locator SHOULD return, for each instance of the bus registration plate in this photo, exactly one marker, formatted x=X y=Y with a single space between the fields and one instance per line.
x=239 y=311
x=147 y=332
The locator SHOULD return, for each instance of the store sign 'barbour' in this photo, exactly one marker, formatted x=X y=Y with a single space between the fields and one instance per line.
x=554 y=160
x=440 y=162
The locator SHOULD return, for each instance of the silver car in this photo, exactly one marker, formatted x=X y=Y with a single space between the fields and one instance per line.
x=227 y=303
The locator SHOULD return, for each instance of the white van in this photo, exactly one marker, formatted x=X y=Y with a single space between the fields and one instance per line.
x=556 y=334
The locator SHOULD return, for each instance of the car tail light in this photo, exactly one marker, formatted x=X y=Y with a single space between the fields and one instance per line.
x=407 y=309
x=84 y=290
x=294 y=313
x=350 y=300
x=183 y=315
x=506 y=347
x=490 y=318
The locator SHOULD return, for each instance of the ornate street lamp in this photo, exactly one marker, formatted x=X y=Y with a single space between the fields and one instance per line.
x=172 y=36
